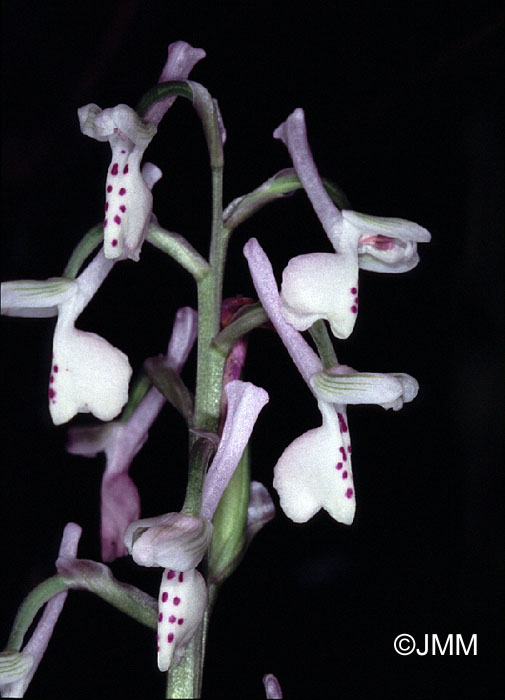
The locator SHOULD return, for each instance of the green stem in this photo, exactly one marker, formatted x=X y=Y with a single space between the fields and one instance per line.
x=88 y=243
x=250 y=317
x=325 y=348
x=83 y=575
x=185 y=679
x=179 y=249
x=201 y=453
x=30 y=607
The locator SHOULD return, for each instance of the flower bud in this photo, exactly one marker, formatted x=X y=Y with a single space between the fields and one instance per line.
x=173 y=540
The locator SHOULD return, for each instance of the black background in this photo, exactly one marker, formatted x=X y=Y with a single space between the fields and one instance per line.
x=403 y=110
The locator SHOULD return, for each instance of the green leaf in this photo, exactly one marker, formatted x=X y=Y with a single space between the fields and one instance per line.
x=230 y=518
x=168 y=381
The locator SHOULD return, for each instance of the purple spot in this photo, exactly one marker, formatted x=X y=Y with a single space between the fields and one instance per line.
x=105 y=223
x=125 y=169
x=160 y=617
x=344 y=475
x=122 y=208
x=339 y=465
x=172 y=619
x=342 y=451
x=170 y=574
x=181 y=577
x=354 y=290
x=114 y=242
x=114 y=169
x=158 y=647
x=170 y=637
x=122 y=191
x=109 y=188
x=349 y=449
x=51 y=379
x=354 y=309
x=51 y=393
x=177 y=600
x=348 y=493
x=117 y=219
x=106 y=206
x=164 y=597
x=55 y=368
x=123 y=151
x=342 y=423
x=180 y=621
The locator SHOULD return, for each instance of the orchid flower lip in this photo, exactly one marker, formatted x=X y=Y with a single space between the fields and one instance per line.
x=314 y=471
x=181 y=603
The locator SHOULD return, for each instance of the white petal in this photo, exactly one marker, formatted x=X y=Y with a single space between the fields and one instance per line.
x=181 y=604
x=321 y=285
x=89 y=375
x=35 y=298
x=387 y=226
x=356 y=387
x=315 y=472
x=124 y=121
x=151 y=174
x=87 y=119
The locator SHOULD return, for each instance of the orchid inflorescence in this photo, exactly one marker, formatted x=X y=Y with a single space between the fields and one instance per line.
x=223 y=509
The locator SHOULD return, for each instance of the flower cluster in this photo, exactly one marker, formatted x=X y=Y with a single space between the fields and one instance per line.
x=223 y=509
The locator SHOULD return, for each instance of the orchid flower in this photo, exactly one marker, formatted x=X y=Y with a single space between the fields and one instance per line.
x=121 y=441
x=88 y=374
x=19 y=668
x=179 y=542
x=325 y=285
x=128 y=199
x=314 y=471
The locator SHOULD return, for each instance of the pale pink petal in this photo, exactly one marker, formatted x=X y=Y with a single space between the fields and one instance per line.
x=181 y=60
x=293 y=134
x=120 y=505
x=171 y=540
x=245 y=401
x=305 y=359
x=272 y=687
x=41 y=636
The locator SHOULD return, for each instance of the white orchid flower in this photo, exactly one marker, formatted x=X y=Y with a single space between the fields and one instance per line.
x=128 y=198
x=325 y=285
x=88 y=374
